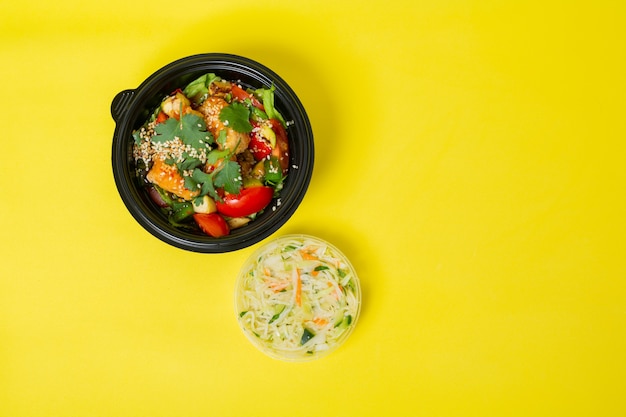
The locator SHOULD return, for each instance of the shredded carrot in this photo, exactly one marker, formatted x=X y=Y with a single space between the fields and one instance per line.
x=277 y=286
x=298 y=289
x=314 y=273
x=308 y=255
x=266 y=271
x=169 y=178
x=320 y=321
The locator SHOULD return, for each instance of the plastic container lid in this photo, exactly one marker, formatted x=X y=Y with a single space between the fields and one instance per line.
x=297 y=298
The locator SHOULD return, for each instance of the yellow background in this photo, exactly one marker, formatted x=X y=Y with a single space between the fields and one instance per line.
x=470 y=160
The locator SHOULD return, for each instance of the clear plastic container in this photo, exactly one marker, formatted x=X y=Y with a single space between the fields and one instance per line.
x=297 y=298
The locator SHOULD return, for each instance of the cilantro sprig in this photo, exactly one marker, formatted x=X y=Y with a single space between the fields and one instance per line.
x=227 y=175
x=237 y=117
x=190 y=129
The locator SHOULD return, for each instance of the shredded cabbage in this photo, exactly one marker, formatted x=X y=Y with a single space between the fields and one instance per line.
x=299 y=297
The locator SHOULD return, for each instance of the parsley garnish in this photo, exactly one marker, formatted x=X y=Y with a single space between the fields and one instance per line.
x=237 y=117
x=229 y=177
x=205 y=182
x=190 y=129
x=226 y=175
x=189 y=163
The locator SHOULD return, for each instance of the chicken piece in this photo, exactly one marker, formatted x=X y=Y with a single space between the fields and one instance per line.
x=235 y=141
x=168 y=178
x=246 y=161
x=219 y=88
x=173 y=105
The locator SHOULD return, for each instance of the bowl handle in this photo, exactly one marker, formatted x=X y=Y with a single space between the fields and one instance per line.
x=120 y=103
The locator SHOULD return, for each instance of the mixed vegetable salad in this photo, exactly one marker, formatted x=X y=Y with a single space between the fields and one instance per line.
x=213 y=155
x=297 y=298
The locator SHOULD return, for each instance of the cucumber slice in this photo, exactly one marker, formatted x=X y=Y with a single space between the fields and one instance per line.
x=345 y=322
x=306 y=336
x=278 y=309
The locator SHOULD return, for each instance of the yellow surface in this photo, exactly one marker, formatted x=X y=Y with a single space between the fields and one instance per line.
x=470 y=161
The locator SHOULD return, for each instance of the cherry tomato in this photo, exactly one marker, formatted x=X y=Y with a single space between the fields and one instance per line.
x=161 y=117
x=248 y=201
x=241 y=95
x=212 y=224
x=259 y=147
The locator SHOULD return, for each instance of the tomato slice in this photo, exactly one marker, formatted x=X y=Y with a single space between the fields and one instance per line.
x=248 y=201
x=241 y=95
x=161 y=117
x=260 y=148
x=212 y=224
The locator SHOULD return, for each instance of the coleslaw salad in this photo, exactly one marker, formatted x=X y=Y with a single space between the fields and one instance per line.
x=297 y=298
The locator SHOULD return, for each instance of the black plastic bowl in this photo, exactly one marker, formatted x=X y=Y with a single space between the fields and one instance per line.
x=131 y=108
